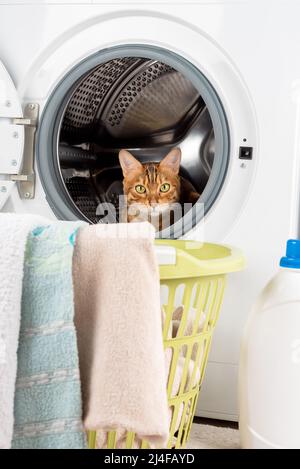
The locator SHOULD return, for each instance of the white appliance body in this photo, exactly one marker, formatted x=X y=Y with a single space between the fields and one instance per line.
x=248 y=51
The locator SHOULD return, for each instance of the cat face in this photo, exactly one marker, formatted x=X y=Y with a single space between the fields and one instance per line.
x=150 y=188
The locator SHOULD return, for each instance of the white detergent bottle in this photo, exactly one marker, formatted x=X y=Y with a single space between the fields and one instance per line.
x=269 y=380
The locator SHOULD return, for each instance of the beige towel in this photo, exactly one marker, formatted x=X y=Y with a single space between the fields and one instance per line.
x=118 y=320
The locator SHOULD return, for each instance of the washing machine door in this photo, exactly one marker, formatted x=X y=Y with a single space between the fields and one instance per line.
x=11 y=135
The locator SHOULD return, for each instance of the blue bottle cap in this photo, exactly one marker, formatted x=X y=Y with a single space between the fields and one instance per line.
x=292 y=257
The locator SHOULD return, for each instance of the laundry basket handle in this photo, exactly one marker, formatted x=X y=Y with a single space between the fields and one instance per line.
x=184 y=258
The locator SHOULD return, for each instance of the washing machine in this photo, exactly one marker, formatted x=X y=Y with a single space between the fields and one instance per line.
x=81 y=79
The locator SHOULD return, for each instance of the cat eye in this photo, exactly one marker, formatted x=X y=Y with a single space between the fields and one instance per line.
x=140 y=189
x=165 y=187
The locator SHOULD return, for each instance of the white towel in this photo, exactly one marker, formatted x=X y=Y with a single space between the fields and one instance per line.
x=14 y=230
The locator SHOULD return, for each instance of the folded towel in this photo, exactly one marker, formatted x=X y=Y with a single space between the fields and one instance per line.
x=179 y=327
x=14 y=230
x=48 y=410
x=118 y=321
x=191 y=325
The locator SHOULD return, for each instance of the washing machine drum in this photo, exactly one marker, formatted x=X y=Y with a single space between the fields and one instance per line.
x=140 y=104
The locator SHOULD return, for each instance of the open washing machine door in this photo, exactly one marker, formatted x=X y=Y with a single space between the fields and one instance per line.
x=141 y=98
x=17 y=134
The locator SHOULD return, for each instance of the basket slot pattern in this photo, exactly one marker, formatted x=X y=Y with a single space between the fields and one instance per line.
x=187 y=343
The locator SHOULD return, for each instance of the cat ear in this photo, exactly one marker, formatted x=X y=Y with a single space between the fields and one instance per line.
x=128 y=163
x=172 y=161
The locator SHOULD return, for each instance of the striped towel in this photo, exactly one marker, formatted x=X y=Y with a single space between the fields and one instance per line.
x=48 y=411
x=14 y=230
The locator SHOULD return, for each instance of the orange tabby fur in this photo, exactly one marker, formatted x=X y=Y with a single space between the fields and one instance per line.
x=152 y=203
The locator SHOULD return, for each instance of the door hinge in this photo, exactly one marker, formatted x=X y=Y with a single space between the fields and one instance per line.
x=26 y=178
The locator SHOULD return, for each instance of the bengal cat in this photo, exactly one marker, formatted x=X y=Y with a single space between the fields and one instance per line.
x=152 y=190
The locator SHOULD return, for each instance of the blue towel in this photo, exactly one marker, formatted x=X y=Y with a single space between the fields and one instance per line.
x=48 y=408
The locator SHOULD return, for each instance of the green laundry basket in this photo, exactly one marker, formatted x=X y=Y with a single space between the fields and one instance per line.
x=192 y=284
